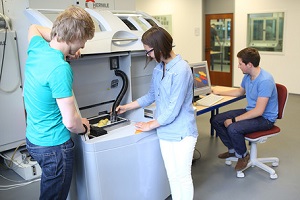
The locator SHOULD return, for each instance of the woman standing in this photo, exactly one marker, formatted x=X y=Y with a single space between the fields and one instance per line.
x=172 y=91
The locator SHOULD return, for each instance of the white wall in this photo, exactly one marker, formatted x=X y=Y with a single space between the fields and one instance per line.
x=124 y=4
x=186 y=17
x=285 y=66
x=188 y=14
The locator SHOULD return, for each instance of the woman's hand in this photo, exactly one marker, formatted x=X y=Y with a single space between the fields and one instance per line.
x=121 y=109
x=147 y=126
x=143 y=126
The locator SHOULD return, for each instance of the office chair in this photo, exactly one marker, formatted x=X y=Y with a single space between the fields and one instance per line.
x=261 y=137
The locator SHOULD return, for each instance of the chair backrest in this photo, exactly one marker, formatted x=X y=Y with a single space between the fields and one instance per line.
x=282 y=99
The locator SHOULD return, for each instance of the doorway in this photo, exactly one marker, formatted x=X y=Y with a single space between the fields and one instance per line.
x=218 y=48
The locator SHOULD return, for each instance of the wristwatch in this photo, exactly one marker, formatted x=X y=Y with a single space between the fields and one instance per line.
x=85 y=131
x=233 y=119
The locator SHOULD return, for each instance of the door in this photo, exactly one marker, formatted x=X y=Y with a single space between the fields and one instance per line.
x=218 y=48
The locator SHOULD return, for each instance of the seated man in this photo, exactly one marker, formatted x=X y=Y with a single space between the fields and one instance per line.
x=260 y=113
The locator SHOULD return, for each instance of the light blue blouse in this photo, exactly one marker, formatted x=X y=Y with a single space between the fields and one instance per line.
x=172 y=92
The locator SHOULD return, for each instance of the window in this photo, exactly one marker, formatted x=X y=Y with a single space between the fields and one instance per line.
x=265 y=31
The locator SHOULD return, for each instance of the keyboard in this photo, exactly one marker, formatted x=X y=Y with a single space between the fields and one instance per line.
x=209 y=100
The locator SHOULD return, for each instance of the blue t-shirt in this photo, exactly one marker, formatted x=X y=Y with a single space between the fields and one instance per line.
x=47 y=77
x=263 y=86
x=172 y=92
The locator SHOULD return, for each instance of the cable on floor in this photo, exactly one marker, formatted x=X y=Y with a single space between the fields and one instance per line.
x=21 y=184
x=196 y=157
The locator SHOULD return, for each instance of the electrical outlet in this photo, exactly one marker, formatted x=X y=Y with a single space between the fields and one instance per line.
x=114 y=83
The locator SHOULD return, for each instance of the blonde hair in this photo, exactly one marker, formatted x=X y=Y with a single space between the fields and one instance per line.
x=73 y=24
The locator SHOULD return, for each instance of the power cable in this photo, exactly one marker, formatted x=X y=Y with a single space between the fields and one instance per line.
x=195 y=158
x=3 y=54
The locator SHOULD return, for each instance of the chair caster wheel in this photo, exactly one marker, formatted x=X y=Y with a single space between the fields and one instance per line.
x=273 y=176
x=228 y=162
x=240 y=174
x=275 y=164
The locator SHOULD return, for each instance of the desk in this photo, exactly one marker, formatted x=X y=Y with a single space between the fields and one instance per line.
x=214 y=109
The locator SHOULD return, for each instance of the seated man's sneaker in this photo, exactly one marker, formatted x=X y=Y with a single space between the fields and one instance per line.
x=226 y=155
x=242 y=162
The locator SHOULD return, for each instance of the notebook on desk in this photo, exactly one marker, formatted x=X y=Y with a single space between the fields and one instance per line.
x=202 y=84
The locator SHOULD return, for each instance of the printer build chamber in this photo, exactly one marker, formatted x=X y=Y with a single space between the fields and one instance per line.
x=119 y=164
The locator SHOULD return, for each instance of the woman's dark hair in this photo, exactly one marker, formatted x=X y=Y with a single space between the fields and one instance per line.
x=249 y=55
x=160 y=40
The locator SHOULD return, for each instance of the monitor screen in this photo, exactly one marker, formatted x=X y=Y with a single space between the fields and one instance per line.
x=202 y=85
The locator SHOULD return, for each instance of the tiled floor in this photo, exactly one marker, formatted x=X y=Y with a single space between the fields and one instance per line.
x=213 y=180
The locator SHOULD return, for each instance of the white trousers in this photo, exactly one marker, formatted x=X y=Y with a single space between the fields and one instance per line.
x=178 y=158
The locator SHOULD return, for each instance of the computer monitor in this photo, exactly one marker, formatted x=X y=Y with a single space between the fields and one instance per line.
x=202 y=85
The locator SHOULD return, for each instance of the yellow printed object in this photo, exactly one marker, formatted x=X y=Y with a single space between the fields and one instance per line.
x=103 y=122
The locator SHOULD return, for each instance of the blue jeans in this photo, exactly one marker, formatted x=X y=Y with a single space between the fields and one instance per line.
x=233 y=136
x=56 y=163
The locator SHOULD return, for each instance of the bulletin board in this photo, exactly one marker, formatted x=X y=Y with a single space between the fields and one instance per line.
x=166 y=21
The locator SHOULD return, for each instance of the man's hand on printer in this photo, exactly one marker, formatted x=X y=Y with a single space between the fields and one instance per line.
x=147 y=126
x=86 y=126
